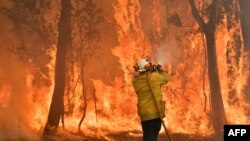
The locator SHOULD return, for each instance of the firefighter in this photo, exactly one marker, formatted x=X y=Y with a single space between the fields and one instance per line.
x=151 y=107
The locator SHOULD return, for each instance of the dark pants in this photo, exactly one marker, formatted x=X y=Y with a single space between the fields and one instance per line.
x=151 y=129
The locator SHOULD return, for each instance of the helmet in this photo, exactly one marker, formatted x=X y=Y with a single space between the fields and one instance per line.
x=142 y=63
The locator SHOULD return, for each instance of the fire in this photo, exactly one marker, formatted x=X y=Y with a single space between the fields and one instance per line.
x=233 y=109
x=178 y=111
x=43 y=96
x=112 y=108
x=132 y=46
x=23 y=107
x=4 y=95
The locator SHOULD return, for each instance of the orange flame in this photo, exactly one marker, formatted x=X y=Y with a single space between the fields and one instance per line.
x=187 y=93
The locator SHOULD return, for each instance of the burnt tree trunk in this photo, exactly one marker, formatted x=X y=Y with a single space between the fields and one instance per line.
x=245 y=26
x=234 y=47
x=83 y=93
x=218 y=113
x=245 y=22
x=64 y=39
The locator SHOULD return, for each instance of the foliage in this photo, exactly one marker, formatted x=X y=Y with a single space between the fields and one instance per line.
x=87 y=18
x=34 y=32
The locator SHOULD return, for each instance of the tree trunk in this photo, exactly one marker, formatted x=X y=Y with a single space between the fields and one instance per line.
x=245 y=22
x=218 y=113
x=64 y=39
x=83 y=93
x=245 y=26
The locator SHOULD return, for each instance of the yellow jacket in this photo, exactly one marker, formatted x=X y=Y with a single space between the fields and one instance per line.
x=147 y=109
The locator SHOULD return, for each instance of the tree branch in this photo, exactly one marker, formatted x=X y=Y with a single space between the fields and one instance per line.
x=213 y=14
x=197 y=16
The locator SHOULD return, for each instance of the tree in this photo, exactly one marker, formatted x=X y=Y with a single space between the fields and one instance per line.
x=218 y=112
x=245 y=26
x=56 y=110
x=88 y=18
x=245 y=13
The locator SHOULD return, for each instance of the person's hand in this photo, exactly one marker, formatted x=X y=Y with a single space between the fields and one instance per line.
x=158 y=67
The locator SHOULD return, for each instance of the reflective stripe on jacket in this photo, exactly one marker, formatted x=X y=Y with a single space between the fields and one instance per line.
x=147 y=109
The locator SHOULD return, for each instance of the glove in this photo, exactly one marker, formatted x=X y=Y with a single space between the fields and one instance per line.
x=158 y=67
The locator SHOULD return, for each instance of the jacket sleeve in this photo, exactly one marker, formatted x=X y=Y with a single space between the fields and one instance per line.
x=162 y=77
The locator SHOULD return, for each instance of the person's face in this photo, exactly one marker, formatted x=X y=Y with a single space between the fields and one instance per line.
x=148 y=66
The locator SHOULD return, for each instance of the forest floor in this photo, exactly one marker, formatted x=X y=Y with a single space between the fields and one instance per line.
x=137 y=136
x=125 y=136
x=120 y=136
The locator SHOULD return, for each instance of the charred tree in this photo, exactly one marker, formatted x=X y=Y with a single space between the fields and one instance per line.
x=218 y=112
x=245 y=26
x=64 y=40
x=88 y=17
x=245 y=22
x=234 y=47
x=83 y=92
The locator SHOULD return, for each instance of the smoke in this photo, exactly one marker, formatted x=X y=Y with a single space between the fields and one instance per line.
x=161 y=55
x=16 y=111
x=13 y=91
x=166 y=54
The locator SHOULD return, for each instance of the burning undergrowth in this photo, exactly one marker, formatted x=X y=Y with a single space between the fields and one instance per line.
x=109 y=101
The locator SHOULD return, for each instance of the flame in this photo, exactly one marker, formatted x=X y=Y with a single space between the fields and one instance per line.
x=32 y=103
x=178 y=113
x=133 y=44
x=112 y=108
x=237 y=105
x=43 y=95
x=4 y=95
